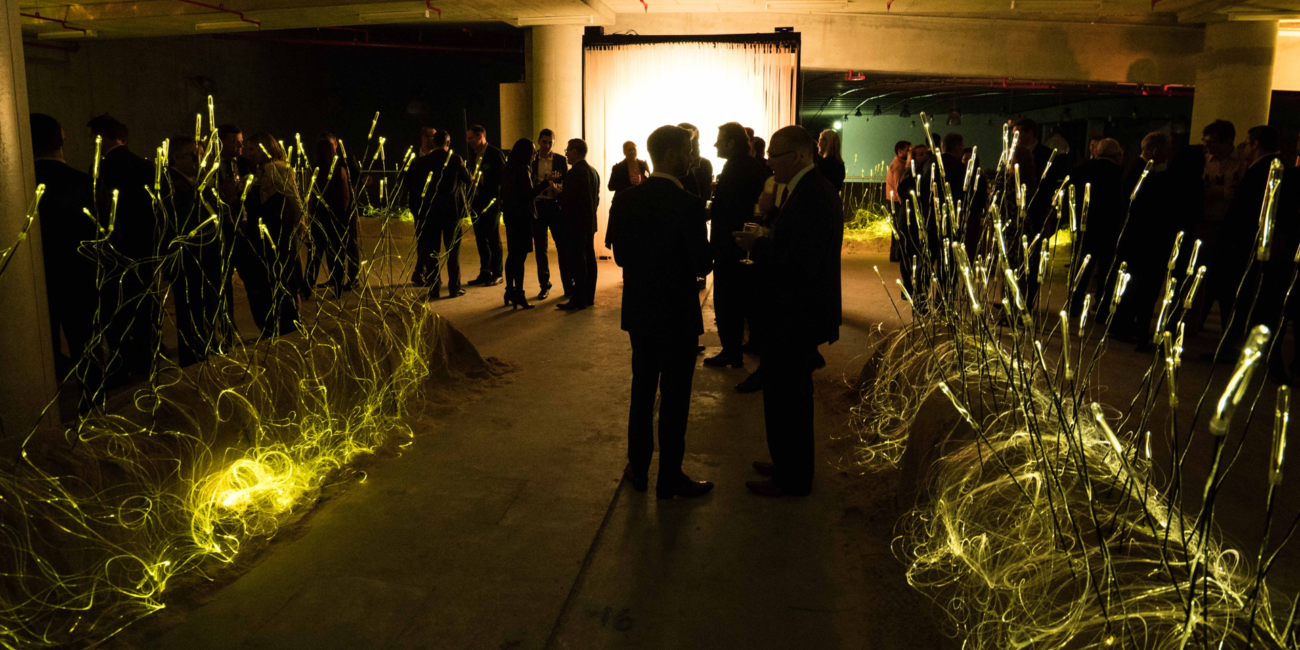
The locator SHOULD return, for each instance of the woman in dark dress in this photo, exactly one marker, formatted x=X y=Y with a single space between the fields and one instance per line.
x=518 y=211
x=274 y=215
x=830 y=160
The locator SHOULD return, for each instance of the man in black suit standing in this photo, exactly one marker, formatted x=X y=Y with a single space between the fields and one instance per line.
x=579 y=197
x=1241 y=229
x=69 y=273
x=548 y=167
x=739 y=186
x=130 y=313
x=435 y=186
x=800 y=256
x=659 y=240
x=485 y=164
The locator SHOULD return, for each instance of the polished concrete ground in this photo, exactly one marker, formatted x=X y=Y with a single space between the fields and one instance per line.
x=506 y=524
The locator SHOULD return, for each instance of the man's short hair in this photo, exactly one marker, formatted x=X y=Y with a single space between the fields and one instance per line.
x=544 y=133
x=1221 y=130
x=797 y=137
x=579 y=145
x=107 y=127
x=936 y=141
x=695 y=132
x=953 y=144
x=665 y=139
x=47 y=134
x=1157 y=140
x=177 y=144
x=1265 y=138
x=901 y=145
x=227 y=130
x=749 y=131
x=440 y=138
x=1110 y=149
x=1031 y=126
x=734 y=133
x=477 y=129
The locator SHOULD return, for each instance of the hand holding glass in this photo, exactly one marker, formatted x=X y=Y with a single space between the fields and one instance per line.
x=749 y=227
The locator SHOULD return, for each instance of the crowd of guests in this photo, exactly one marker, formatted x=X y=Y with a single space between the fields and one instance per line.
x=1211 y=192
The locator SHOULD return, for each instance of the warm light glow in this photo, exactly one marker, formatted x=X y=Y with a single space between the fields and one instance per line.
x=631 y=90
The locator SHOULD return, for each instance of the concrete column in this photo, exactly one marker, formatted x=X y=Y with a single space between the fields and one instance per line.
x=1234 y=77
x=27 y=381
x=516 y=114
x=556 y=81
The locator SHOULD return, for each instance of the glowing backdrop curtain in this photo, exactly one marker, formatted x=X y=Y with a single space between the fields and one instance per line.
x=630 y=90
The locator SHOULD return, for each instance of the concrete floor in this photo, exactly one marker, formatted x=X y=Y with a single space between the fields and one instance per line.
x=506 y=524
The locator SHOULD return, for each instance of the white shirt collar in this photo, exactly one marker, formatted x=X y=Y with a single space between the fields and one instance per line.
x=669 y=177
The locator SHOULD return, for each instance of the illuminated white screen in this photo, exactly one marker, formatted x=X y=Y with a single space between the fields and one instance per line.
x=630 y=90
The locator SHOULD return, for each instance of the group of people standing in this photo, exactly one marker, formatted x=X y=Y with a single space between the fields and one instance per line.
x=777 y=229
x=123 y=236
x=536 y=192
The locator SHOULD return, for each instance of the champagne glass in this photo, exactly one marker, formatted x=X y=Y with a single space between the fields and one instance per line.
x=749 y=227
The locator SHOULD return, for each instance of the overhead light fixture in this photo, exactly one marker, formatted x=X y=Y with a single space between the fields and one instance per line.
x=877 y=112
x=394 y=16
x=224 y=25
x=857 y=113
x=954 y=117
x=907 y=112
x=838 y=125
x=554 y=20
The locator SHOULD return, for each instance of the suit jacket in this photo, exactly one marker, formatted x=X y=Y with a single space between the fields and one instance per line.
x=801 y=258
x=580 y=198
x=739 y=186
x=443 y=201
x=659 y=240
x=491 y=166
x=699 y=180
x=1107 y=204
x=558 y=164
x=618 y=177
x=135 y=232
x=1241 y=226
x=69 y=275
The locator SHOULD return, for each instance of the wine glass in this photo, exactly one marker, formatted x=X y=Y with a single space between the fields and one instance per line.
x=749 y=227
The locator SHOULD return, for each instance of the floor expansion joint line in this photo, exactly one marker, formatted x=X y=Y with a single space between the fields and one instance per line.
x=586 y=562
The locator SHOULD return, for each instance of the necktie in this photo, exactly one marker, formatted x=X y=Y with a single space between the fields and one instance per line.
x=780 y=199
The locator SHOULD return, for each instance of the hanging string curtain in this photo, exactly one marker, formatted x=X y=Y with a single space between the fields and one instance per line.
x=630 y=90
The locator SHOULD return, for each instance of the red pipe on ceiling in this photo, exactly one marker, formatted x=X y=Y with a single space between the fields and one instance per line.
x=62 y=23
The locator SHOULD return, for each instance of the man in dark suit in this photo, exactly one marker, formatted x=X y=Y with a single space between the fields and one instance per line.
x=660 y=241
x=1239 y=234
x=800 y=255
x=130 y=313
x=739 y=186
x=579 y=198
x=548 y=167
x=485 y=164
x=435 y=186
x=70 y=274
x=621 y=176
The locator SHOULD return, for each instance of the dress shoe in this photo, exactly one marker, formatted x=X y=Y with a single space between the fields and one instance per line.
x=480 y=279
x=699 y=349
x=492 y=281
x=751 y=348
x=752 y=384
x=572 y=305
x=546 y=291
x=685 y=488
x=763 y=467
x=640 y=482
x=723 y=359
x=455 y=293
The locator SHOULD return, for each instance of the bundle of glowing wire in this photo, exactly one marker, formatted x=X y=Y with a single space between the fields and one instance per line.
x=1039 y=526
x=179 y=474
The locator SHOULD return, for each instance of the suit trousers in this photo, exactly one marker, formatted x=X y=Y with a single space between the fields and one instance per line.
x=734 y=303
x=548 y=215
x=788 y=413
x=663 y=366
x=131 y=316
x=583 y=267
x=429 y=249
x=487 y=236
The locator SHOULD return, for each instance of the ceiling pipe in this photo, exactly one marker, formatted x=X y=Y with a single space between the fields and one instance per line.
x=62 y=23
x=390 y=46
x=222 y=9
x=428 y=4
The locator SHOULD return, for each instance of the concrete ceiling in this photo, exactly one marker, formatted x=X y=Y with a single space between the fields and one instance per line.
x=124 y=19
